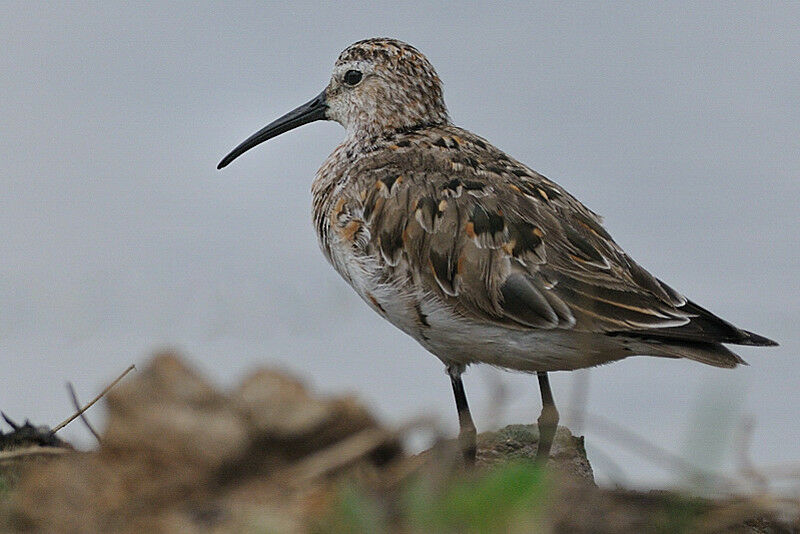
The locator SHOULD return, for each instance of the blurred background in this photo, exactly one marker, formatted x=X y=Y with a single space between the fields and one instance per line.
x=679 y=123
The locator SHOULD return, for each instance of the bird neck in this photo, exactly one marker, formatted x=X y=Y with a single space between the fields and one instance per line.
x=364 y=139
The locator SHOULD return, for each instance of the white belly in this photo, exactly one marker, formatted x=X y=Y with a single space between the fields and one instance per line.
x=394 y=302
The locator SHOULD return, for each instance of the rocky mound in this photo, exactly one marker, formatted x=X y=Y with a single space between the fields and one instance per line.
x=179 y=455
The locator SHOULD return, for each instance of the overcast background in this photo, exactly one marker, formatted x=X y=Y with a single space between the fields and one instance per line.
x=680 y=124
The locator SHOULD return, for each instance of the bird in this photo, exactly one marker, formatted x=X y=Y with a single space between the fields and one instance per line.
x=472 y=253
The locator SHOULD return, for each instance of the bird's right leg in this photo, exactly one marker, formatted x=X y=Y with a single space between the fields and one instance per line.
x=467 y=433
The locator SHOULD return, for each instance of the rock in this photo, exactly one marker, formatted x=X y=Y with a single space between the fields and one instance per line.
x=172 y=413
x=277 y=406
x=280 y=411
x=512 y=442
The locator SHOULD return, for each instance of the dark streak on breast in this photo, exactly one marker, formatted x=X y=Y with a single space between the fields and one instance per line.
x=376 y=303
x=421 y=317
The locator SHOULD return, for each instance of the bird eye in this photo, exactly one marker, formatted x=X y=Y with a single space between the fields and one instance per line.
x=352 y=77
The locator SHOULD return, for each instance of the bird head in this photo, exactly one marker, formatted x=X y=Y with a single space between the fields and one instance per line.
x=377 y=85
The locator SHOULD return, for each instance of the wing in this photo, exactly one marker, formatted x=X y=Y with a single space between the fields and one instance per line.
x=502 y=243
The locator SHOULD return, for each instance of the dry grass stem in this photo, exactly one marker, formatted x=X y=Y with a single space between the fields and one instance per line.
x=649 y=451
x=82 y=413
x=91 y=403
x=16 y=454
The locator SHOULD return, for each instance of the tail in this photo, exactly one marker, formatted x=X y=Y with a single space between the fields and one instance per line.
x=749 y=338
x=708 y=353
x=700 y=339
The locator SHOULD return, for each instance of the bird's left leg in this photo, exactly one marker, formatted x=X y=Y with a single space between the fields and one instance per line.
x=467 y=433
x=548 y=420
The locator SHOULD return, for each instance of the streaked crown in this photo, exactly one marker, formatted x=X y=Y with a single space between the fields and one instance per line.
x=384 y=84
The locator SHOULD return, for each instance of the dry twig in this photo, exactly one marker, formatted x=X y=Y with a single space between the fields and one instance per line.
x=85 y=419
x=15 y=454
x=744 y=464
x=348 y=450
x=338 y=455
x=650 y=451
x=80 y=412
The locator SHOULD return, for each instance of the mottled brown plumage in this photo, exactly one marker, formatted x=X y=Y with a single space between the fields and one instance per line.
x=475 y=255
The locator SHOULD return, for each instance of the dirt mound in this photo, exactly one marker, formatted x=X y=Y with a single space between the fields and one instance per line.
x=179 y=455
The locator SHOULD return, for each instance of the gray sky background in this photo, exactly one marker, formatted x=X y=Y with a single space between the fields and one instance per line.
x=679 y=123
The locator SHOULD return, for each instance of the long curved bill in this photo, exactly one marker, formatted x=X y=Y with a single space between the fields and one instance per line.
x=313 y=110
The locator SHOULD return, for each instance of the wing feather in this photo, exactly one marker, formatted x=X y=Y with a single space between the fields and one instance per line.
x=503 y=243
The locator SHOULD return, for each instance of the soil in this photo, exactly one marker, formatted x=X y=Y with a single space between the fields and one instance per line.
x=180 y=455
